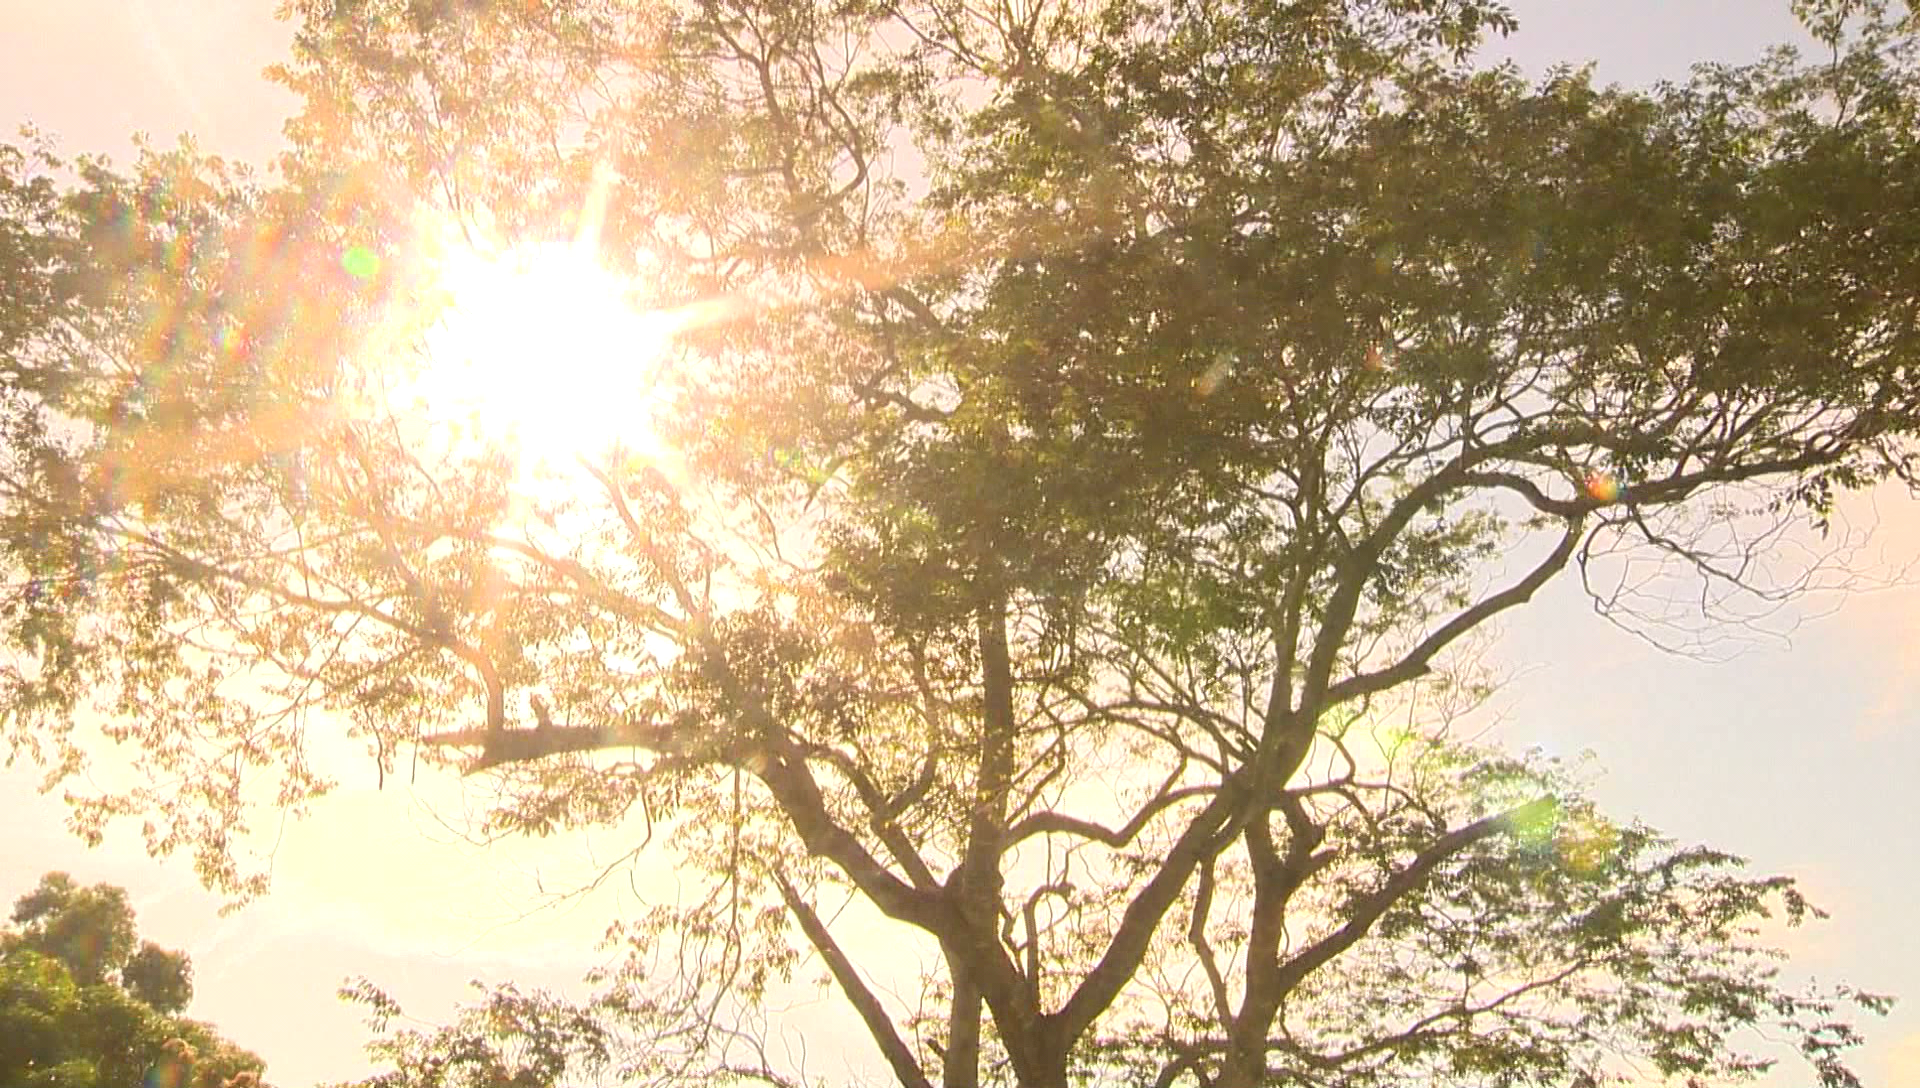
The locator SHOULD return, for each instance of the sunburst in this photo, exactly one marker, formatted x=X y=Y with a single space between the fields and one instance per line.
x=544 y=350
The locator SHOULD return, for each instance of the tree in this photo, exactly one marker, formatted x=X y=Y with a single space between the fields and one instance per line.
x=159 y=979
x=509 y=1040
x=1089 y=425
x=90 y=932
x=73 y=1016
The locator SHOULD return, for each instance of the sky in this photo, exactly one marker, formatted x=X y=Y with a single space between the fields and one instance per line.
x=1799 y=752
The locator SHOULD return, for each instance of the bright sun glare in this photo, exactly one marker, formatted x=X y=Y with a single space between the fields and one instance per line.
x=545 y=349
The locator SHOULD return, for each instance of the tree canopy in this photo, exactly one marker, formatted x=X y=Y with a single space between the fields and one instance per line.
x=1084 y=429
x=80 y=1007
x=90 y=932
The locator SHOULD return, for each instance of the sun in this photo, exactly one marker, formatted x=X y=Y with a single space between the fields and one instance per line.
x=542 y=350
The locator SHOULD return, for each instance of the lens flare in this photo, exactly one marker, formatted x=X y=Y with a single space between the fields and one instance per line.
x=1216 y=375
x=360 y=262
x=543 y=349
x=1535 y=827
x=1586 y=843
x=1603 y=486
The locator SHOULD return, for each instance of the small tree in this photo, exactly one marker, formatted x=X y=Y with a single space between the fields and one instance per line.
x=1047 y=524
x=508 y=1040
x=89 y=930
x=80 y=1009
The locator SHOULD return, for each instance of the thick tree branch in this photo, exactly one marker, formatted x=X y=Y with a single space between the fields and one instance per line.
x=879 y=1025
x=1275 y=880
x=1059 y=823
x=881 y=812
x=1414 y=664
x=525 y=745
x=976 y=882
x=1204 y=837
x=1364 y=913
x=800 y=799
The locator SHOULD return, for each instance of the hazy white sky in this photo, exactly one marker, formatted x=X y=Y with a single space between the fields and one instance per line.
x=1800 y=756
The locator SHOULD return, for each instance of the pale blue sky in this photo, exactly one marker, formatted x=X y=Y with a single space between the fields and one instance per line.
x=1799 y=756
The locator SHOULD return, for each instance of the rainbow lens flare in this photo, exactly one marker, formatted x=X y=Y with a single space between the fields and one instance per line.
x=1211 y=379
x=1586 y=844
x=360 y=262
x=1602 y=486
